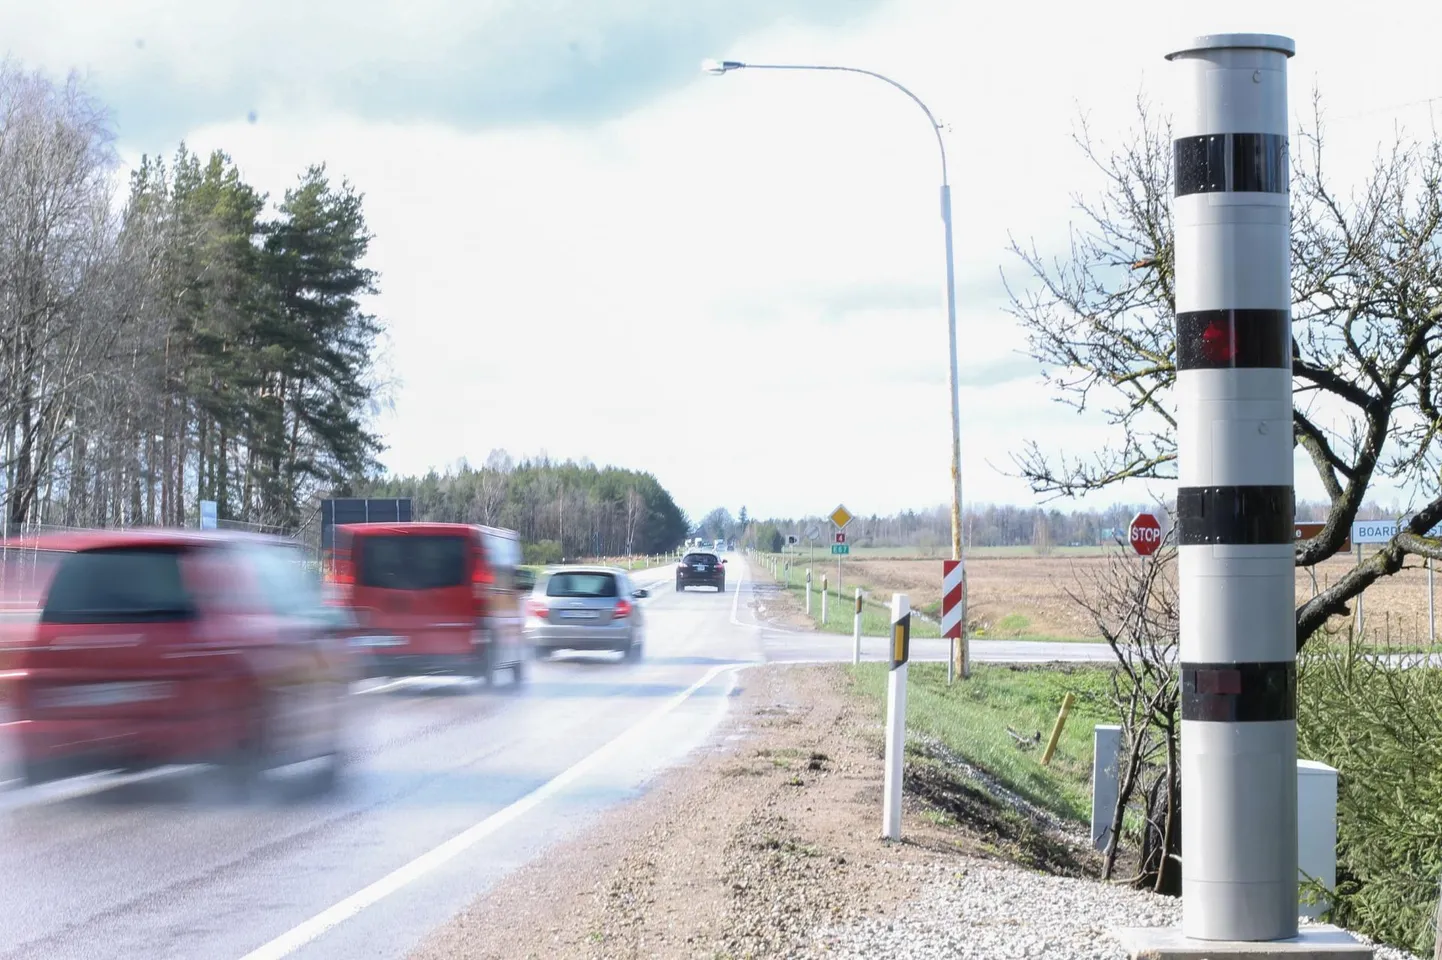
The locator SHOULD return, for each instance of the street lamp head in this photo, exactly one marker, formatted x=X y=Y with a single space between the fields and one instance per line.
x=719 y=67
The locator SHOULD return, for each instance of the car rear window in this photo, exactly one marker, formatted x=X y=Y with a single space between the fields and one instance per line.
x=581 y=585
x=695 y=558
x=413 y=562
x=119 y=585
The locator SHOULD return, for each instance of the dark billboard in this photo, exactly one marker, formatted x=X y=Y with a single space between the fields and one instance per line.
x=344 y=510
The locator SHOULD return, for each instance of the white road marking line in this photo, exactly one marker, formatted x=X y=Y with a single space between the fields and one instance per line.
x=73 y=788
x=292 y=940
x=383 y=686
x=736 y=600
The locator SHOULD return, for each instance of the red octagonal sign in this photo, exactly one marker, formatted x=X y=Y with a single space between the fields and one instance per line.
x=1145 y=533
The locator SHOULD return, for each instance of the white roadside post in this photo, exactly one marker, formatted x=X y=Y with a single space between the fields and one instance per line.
x=1357 y=620
x=808 y=591
x=856 y=630
x=1235 y=500
x=825 y=592
x=1106 y=754
x=896 y=716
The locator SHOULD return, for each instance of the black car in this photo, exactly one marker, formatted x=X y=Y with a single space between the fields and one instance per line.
x=701 y=569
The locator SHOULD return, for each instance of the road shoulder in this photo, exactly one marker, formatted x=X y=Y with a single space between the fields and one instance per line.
x=769 y=835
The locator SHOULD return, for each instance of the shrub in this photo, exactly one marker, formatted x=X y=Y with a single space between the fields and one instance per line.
x=542 y=552
x=1380 y=725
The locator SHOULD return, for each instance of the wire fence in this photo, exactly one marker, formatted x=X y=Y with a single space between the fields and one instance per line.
x=25 y=563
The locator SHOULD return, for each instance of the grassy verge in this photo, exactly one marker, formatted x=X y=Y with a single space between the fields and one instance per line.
x=972 y=716
x=876 y=621
x=841 y=608
x=631 y=563
x=937 y=553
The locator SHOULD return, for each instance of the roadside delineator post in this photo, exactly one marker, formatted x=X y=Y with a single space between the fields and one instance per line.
x=856 y=630
x=896 y=716
x=953 y=616
x=824 y=592
x=808 y=591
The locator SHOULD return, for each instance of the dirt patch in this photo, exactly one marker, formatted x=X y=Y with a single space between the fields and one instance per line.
x=750 y=849
x=770 y=602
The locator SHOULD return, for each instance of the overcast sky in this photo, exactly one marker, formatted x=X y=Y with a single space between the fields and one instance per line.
x=589 y=248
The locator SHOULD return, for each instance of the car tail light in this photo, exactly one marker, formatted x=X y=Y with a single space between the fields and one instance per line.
x=343 y=573
x=481 y=582
x=537 y=608
x=623 y=610
x=340 y=585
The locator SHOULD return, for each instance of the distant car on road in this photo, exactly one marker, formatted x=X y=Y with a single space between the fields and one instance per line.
x=433 y=598
x=701 y=568
x=586 y=608
x=162 y=647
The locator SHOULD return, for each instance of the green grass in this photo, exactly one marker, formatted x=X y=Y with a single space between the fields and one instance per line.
x=630 y=563
x=971 y=717
x=841 y=608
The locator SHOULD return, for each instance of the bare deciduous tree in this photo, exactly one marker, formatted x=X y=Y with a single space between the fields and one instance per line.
x=635 y=512
x=56 y=256
x=1133 y=602
x=1367 y=317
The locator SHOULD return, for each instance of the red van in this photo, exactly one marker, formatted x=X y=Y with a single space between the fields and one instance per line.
x=162 y=647
x=432 y=598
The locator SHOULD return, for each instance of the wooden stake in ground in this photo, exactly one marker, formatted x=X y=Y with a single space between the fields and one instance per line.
x=1066 y=703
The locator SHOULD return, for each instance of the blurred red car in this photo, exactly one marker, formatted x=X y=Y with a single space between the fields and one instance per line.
x=164 y=647
x=432 y=598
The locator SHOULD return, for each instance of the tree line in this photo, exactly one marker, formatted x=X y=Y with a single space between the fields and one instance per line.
x=561 y=509
x=983 y=525
x=192 y=342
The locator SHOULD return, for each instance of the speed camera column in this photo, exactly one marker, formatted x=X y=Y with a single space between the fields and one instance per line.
x=1234 y=496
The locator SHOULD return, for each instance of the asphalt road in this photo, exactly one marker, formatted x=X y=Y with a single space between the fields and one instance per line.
x=451 y=787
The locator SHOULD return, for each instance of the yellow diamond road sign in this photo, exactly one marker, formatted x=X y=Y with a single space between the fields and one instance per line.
x=841 y=516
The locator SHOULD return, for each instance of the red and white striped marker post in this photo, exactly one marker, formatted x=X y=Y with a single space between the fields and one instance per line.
x=953 y=615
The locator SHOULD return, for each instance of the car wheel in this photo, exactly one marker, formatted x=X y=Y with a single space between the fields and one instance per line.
x=721 y=587
x=33 y=773
x=333 y=759
x=247 y=765
x=632 y=653
x=518 y=669
x=679 y=588
x=485 y=665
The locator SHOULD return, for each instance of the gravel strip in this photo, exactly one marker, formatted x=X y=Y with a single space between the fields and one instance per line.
x=995 y=911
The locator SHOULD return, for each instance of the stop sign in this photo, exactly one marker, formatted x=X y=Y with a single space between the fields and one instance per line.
x=1145 y=533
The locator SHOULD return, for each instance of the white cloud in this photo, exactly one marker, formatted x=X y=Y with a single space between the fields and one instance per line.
x=738 y=285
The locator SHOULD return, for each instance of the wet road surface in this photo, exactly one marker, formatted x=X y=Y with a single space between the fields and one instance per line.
x=451 y=786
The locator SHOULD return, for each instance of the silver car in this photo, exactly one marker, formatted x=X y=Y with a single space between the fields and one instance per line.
x=585 y=608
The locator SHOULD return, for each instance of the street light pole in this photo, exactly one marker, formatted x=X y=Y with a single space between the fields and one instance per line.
x=726 y=66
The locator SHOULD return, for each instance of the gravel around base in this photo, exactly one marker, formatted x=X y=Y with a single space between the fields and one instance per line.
x=973 y=908
x=994 y=911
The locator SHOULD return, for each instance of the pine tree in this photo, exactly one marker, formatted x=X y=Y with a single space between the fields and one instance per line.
x=316 y=343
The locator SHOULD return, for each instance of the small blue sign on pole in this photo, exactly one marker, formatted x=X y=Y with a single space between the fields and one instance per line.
x=208 y=515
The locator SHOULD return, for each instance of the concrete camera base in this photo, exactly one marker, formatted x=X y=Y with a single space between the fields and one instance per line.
x=1315 y=941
